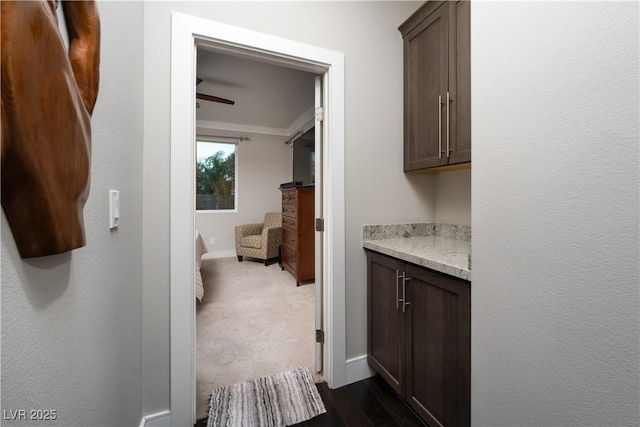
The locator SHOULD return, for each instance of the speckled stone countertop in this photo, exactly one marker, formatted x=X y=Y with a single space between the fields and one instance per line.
x=441 y=247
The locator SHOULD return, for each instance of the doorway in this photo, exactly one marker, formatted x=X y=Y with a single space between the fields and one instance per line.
x=187 y=32
x=253 y=320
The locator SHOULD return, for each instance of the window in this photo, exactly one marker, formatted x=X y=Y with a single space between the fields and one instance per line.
x=215 y=176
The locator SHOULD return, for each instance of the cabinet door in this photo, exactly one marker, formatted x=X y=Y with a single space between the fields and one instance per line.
x=425 y=89
x=385 y=319
x=459 y=136
x=438 y=328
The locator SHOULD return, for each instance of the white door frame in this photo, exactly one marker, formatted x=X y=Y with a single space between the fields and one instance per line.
x=319 y=255
x=186 y=32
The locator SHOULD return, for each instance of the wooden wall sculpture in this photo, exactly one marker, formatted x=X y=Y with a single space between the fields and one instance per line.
x=48 y=95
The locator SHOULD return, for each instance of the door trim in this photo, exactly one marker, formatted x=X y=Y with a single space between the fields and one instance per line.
x=186 y=32
x=318 y=214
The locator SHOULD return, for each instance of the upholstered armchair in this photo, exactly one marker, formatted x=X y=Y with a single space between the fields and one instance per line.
x=262 y=240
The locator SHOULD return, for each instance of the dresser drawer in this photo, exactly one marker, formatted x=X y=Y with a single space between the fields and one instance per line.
x=289 y=222
x=289 y=211
x=289 y=237
x=289 y=258
x=289 y=197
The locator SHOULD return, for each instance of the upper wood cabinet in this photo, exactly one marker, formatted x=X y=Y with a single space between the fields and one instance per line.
x=437 y=86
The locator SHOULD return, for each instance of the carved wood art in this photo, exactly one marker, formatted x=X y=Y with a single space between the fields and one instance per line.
x=48 y=95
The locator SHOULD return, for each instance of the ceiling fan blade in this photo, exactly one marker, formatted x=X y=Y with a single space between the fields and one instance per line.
x=214 y=99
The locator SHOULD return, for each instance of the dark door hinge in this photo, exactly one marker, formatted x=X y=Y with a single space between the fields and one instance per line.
x=319 y=336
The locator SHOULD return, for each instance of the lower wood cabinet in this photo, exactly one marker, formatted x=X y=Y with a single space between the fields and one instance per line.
x=419 y=336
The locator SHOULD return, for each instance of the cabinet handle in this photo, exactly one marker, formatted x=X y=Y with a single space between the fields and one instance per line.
x=398 y=276
x=448 y=129
x=439 y=126
x=405 y=303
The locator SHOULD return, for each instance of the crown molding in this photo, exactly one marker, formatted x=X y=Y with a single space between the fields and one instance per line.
x=301 y=123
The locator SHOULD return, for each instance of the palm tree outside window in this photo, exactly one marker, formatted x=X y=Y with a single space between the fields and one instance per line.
x=215 y=176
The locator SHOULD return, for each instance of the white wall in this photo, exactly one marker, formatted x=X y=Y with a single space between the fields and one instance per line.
x=555 y=307
x=72 y=323
x=453 y=197
x=264 y=162
x=376 y=188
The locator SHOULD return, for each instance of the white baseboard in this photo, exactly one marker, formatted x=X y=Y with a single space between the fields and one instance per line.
x=161 y=419
x=358 y=369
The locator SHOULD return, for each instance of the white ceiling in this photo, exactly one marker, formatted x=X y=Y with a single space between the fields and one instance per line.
x=268 y=98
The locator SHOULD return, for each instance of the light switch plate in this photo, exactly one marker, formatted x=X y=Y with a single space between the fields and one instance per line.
x=114 y=209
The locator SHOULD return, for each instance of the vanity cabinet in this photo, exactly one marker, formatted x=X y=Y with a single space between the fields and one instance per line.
x=419 y=336
x=437 y=87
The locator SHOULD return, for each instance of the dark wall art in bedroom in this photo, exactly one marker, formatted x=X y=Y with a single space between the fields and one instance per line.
x=48 y=95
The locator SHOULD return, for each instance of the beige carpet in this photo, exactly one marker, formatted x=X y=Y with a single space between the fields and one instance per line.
x=252 y=322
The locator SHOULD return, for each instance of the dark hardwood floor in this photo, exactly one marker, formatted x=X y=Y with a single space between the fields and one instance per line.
x=370 y=402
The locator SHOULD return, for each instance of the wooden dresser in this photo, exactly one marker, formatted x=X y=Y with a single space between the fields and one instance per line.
x=298 y=234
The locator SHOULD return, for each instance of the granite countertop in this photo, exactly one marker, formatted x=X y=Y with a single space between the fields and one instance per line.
x=444 y=248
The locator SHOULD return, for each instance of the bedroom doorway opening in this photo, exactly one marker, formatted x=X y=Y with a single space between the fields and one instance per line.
x=256 y=320
x=187 y=33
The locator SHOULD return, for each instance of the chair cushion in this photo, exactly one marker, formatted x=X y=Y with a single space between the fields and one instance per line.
x=273 y=219
x=251 y=241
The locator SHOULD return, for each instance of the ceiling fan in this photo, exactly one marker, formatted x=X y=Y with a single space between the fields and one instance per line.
x=205 y=97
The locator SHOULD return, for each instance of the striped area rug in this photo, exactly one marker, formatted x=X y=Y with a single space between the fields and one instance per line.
x=278 y=400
